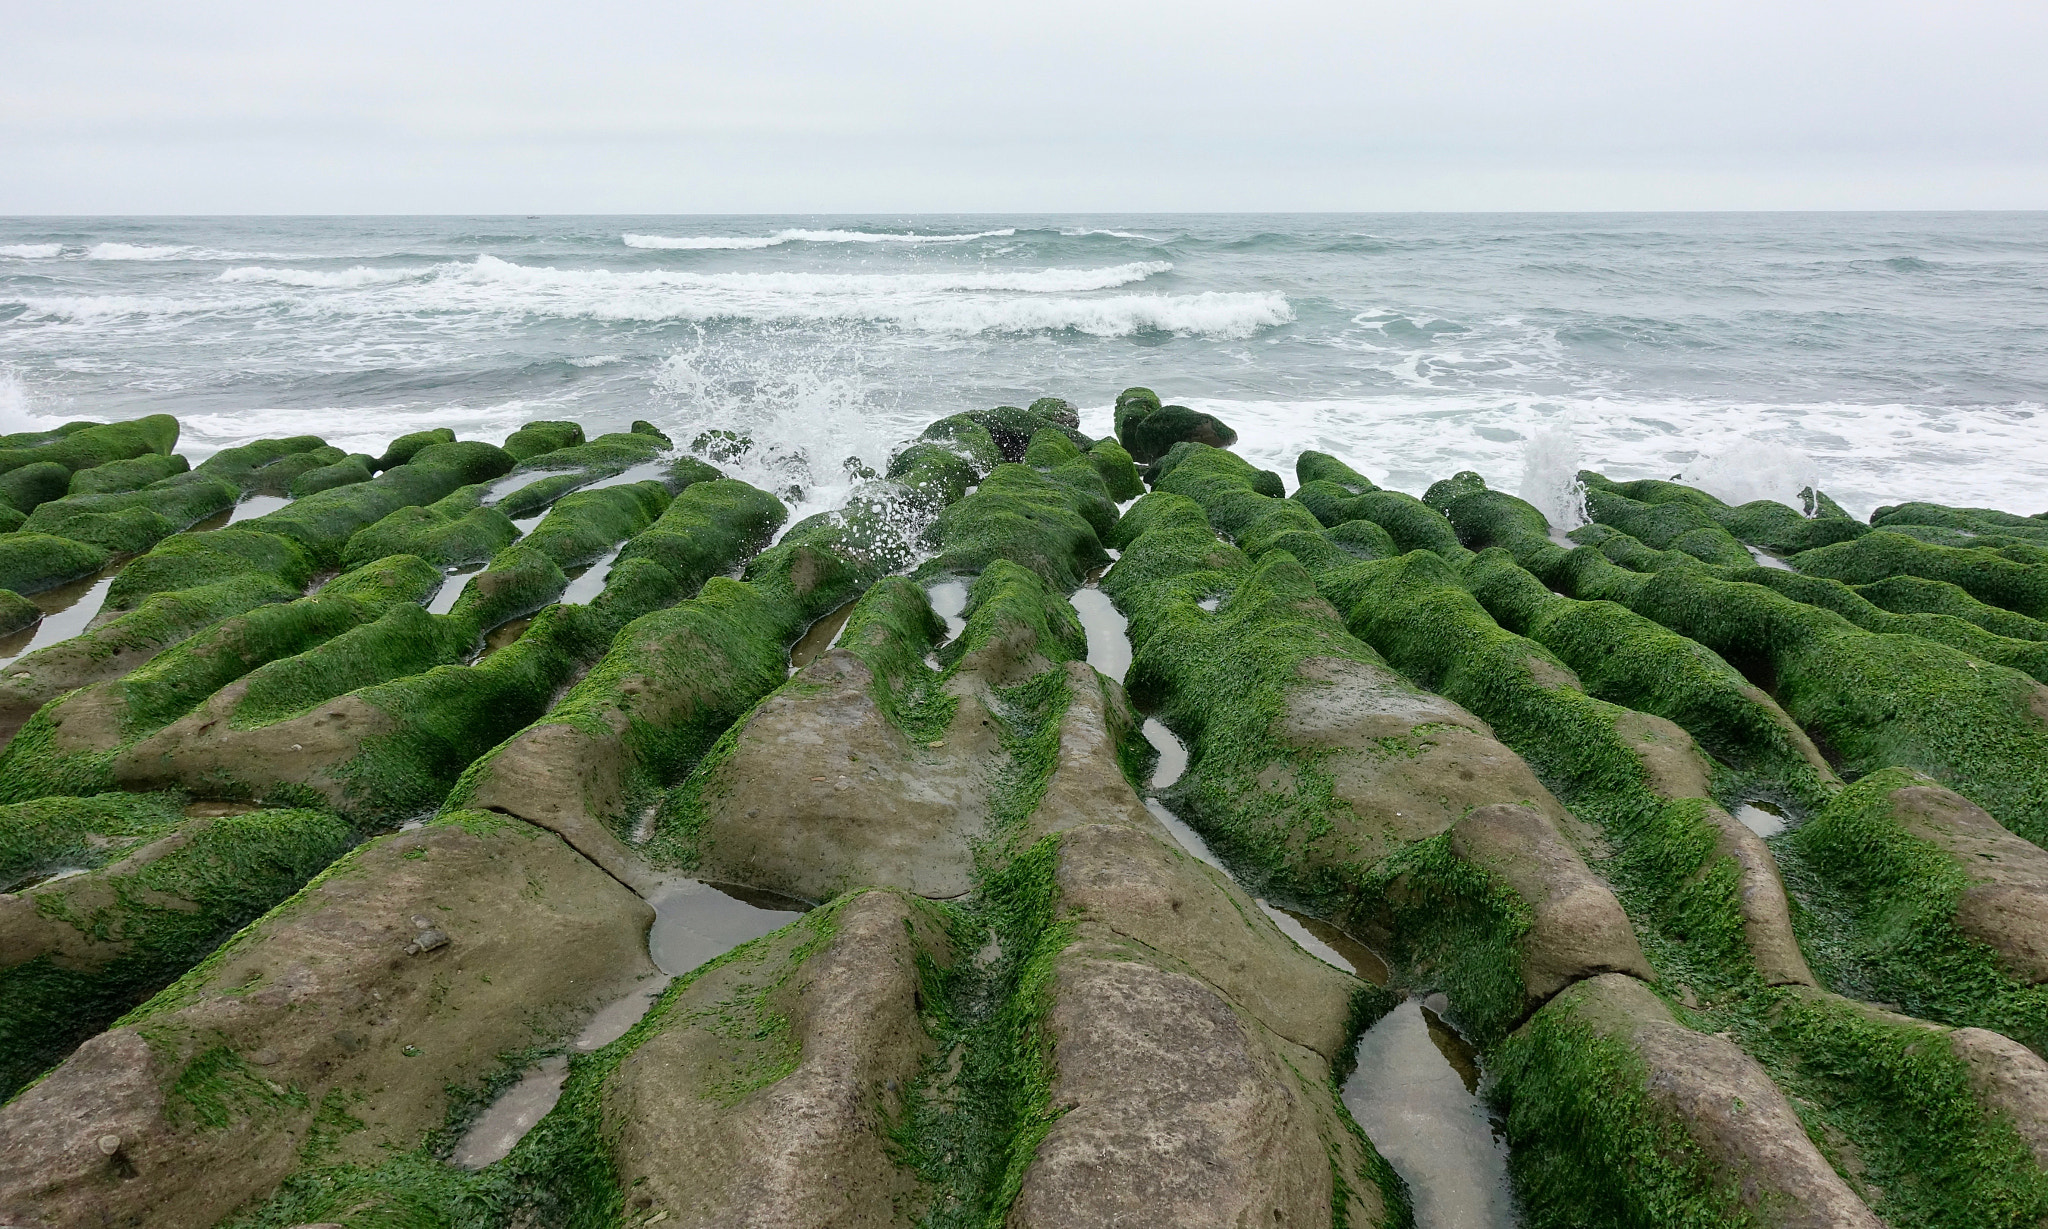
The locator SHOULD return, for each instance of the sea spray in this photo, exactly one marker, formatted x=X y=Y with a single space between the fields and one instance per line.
x=1550 y=477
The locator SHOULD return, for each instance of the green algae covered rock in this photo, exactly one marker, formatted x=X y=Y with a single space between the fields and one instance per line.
x=161 y=893
x=97 y=444
x=1764 y=523
x=1875 y=701
x=452 y=530
x=130 y=475
x=1148 y=429
x=189 y=561
x=582 y=526
x=706 y=529
x=1620 y=1115
x=326 y=1013
x=606 y=454
x=68 y=745
x=351 y=469
x=29 y=487
x=1049 y=525
x=17 y=612
x=405 y=447
x=1981 y=572
x=32 y=562
x=1623 y=657
x=542 y=436
x=1948 y=911
x=241 y=464
x=133 y=521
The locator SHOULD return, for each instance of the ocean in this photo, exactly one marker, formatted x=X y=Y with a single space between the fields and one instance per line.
x=1886 y=357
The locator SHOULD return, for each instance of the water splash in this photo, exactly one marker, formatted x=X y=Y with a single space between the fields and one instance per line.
x=817 y=421
x=1550 y=477
x=1751 y=469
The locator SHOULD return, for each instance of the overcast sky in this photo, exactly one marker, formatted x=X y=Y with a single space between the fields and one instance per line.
x=444 y=106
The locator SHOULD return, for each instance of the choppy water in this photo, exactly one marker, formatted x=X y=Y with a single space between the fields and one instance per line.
x=1887 y=356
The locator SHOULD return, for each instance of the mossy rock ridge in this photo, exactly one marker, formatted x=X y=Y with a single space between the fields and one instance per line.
x=81 y=950
x=97 y=444
x=327 y=1028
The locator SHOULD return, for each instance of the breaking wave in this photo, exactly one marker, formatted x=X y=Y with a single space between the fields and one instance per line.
x=742 y=243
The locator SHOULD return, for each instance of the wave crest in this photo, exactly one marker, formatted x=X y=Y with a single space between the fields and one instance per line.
x=31 y=251
x=135 y=251
x=743 y=243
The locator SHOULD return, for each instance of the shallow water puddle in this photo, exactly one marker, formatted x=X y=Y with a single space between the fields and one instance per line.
x=1109 y=641
x=255 y=506
x=1415 y=1092
x=502 y=636
x=1760 y=817
x=819 y=636
x=1768 y=560
x=949 y=602
x=452 y=582
x=693 y=922
x=586 y=584
x=67 y=610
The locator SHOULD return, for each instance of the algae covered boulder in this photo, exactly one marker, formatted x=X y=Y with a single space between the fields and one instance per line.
x=1148 y=429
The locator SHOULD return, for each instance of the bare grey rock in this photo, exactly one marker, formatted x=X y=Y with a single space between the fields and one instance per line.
x=1579 y=929
x=320 y=997
x=728 y=1127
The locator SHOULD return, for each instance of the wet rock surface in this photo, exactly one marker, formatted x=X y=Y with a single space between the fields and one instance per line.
x=529 y=835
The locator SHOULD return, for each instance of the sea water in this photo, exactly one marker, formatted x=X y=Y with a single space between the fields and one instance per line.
x=1885 y=356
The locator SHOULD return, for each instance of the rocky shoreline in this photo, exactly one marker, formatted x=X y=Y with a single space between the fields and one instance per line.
x=331 y=896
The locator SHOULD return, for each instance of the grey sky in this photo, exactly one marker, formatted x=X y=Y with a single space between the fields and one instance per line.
x=789 y=106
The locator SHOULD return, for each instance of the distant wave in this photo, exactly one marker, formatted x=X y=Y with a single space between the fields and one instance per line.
x=31 y=251
x=1076 y=232
x=750 y=242
x=963 y=301
x=343 y=279
x=488 y=268
x=135 y=251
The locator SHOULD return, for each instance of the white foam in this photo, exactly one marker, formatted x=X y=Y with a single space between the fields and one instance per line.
x=751 y=242
x=344 y=279
x=1550 y=477
x=135 y=251
x=1863 y=455
x=1742 y=470
x=31 y=251
x=1077 y=232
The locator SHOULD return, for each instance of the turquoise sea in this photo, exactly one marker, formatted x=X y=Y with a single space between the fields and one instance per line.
x=1886 y=356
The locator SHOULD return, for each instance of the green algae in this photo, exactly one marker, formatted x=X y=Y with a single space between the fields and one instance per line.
x=1982 y=572
x=542 y=435
x=146 y=924
x=32 y=562
x=29 y=487
x=129 y=475
x=351 y=469
x=582 y=526
x=1873 y=701
x=1028 y=517
x=1895 y=898
x=95 y=445
x=1589 y=1147
x=705 y=530
x=406 y=447
x=455 y=529
x=134 y=521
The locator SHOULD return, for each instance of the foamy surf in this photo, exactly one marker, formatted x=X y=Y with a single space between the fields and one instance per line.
x=31 y=251
x=755 y=242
